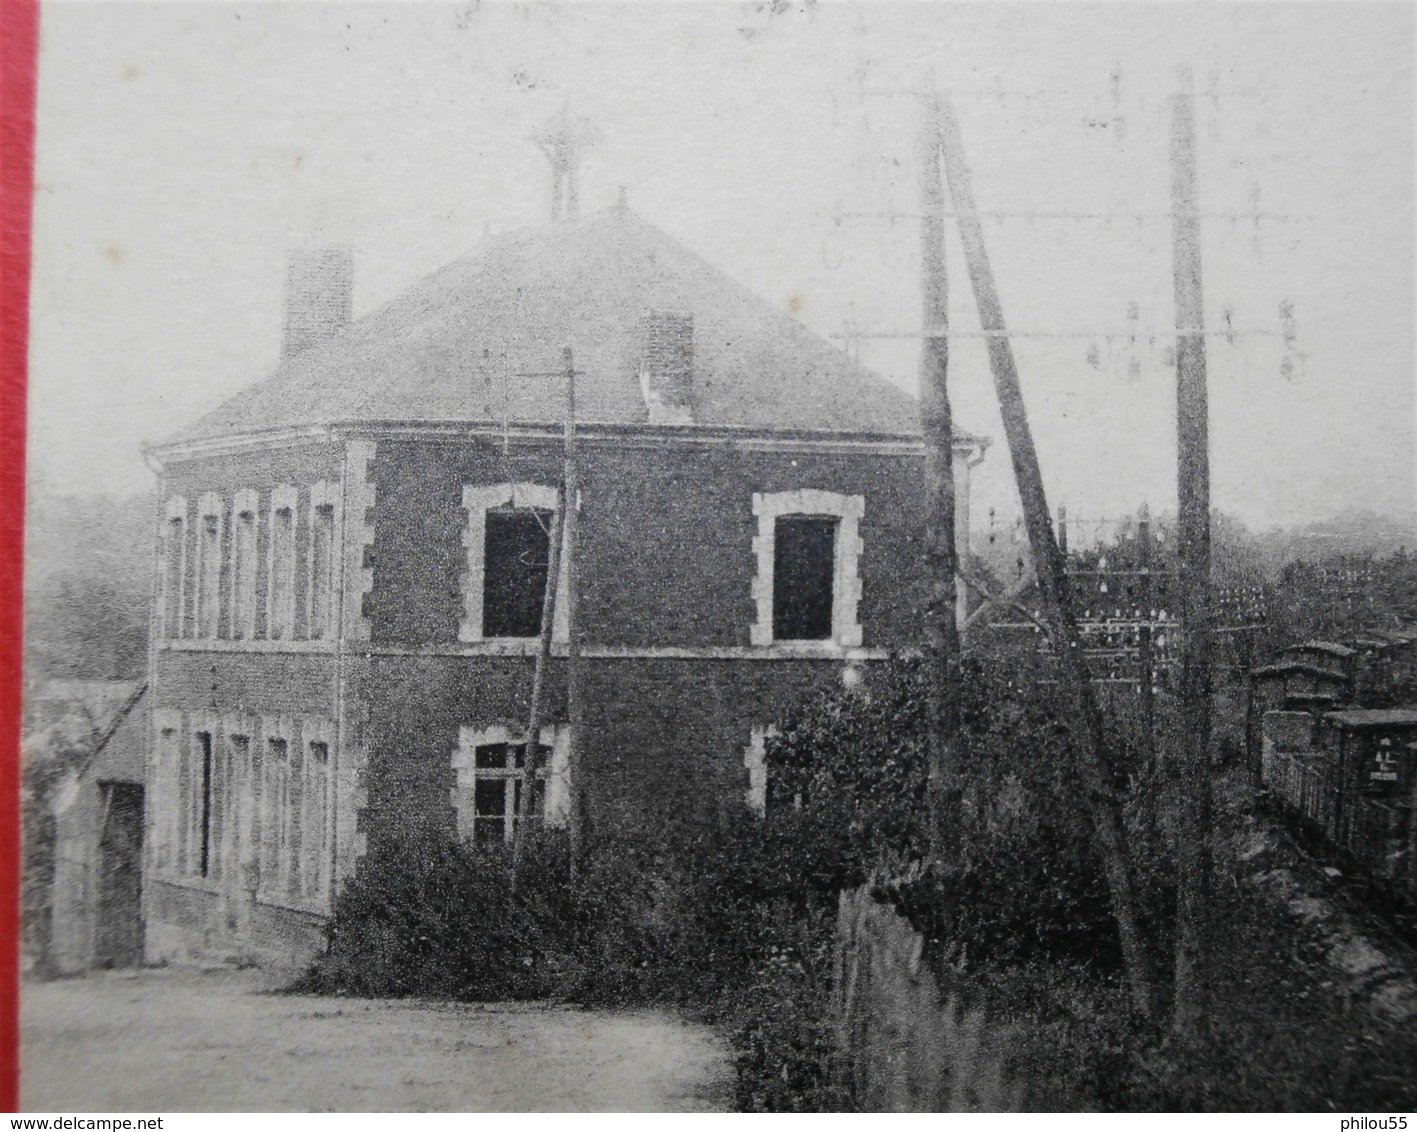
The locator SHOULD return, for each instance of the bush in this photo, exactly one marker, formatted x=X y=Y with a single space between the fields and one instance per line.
x=785 y=1040
x=848 y=789
x=431 y=916
x=671 y=915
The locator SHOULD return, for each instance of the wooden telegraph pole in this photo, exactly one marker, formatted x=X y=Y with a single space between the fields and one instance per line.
x=936 y=421
x=562 y=543
x=571 y=510
x=1193 y=521
x=525 y=810
x=1048 y=559
x=1145 y=645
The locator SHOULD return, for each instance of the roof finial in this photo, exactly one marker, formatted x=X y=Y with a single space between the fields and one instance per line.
x=563 y=139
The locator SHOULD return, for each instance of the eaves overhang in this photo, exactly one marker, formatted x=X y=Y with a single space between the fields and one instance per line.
x=621 y=434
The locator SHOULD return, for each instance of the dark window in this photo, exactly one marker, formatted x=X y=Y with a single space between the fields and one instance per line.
x=499 y=770
x=518 y=546
x=204 y=739
x=804 y=562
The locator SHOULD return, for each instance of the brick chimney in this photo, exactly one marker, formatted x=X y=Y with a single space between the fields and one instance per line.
x=319 y=297
x=667 y=366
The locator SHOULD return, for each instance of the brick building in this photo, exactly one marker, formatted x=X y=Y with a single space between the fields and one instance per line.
x=354 y=552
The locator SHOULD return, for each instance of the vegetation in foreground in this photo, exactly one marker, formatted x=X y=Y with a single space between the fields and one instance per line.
x=735 y=921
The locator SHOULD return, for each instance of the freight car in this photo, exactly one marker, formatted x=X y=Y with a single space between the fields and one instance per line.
x=1348 y=776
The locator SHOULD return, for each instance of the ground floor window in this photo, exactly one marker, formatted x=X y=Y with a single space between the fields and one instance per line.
x=755 y=761
x=492 y=773
x=245 y=804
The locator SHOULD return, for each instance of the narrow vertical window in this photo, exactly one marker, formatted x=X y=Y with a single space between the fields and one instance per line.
x=174 y=577
x=282 y=579
x=322 y=537
x=518 y=544
x=808 y=586
x=167 y=798
x=174 y=560
x=508 y=544
x=243 y=572
x=209 y=576
x=204 y=771
x=275 y=868
x=802 y=577
x=316 y=818
x=240 y=810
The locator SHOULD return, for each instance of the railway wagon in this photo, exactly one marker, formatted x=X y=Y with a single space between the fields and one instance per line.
x=1373 y=750
x=1348 y=776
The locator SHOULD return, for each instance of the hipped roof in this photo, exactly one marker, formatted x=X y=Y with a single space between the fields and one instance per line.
x=481 y=340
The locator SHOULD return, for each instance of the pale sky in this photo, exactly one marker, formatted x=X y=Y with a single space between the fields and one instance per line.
x=185 y=148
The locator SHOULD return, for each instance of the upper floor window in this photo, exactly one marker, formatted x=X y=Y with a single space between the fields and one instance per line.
x=174 y=566
x=516 y=558
x=209 y=515
x=807 y=586
x=243 y=566
x=508 y=541
x=321 y=559
x=280 y=586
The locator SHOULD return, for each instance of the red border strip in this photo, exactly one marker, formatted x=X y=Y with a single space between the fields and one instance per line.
x=19 y=51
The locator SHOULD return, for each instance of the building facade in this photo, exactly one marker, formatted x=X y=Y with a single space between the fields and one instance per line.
x=353 y=555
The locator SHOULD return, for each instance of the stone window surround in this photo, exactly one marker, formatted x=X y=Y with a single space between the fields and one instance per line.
x=193 y=757
x=323 y=493
x=171 y=612
x=846 y=582
x=558 y=794
x=755 y=759
x=477 y=500
x=242 y=624
x=284 y=497
x=175 y=818
x=312 y=732
x=165 y=786
x=209 y=506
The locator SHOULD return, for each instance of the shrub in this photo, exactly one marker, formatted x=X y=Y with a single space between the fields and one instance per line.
x=848 y=780
x=427 y=915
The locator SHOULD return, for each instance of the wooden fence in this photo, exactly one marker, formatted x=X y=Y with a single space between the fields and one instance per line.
x=904 y=1044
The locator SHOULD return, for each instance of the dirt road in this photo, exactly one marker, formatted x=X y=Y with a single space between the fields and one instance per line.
x=175 y=1041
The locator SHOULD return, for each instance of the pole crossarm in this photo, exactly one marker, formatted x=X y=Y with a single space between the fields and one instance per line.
x=1098 y=335
x=1066 y=214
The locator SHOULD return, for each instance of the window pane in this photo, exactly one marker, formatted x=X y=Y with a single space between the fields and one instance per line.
x=204 y=859
x=804 y=563
x=517 y=549
x=490 y=798
x=493 y=756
